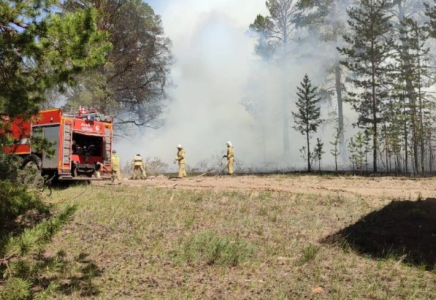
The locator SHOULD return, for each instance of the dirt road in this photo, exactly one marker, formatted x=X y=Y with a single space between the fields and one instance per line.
x=389 y=187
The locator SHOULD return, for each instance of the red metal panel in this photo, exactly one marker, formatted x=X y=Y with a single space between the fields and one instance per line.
x=19 y=131
x=88 y=127
x=47 y=117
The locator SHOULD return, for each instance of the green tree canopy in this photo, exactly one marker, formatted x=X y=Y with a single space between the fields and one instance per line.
x=40 y=48
x=132 y=84
x=367 y=57
x=308 y=117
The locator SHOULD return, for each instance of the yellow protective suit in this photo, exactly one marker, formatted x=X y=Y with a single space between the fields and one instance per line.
x=180 y=158
x=230 y=158
x=116 y=172
x=138 y=165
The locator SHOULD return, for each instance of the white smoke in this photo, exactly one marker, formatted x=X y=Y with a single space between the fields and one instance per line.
x=215 y=71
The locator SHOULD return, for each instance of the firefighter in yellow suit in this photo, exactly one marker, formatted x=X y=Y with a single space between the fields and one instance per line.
x=138 y=165
x=180 y=158
x=116 y=172
x=230 y=157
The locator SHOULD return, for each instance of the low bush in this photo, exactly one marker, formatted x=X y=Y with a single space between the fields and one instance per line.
x=15 y=200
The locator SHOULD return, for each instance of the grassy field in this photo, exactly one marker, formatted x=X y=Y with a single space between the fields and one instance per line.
x=157 y=243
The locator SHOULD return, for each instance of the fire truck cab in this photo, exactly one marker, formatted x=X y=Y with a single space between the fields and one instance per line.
x=82 y=143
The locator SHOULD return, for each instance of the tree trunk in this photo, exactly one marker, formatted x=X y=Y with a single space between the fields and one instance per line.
x=286 y=146
x=338 y=83
x=409 y=86
x=421 y=117
x=374 y=122
x=308 y=149
x=406 y=148
x=430 y=152
x=414 y=136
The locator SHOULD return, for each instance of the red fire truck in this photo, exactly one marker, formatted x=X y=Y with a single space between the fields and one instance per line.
x=82 y=143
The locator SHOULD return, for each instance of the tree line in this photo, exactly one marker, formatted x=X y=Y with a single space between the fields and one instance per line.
x=383 y=68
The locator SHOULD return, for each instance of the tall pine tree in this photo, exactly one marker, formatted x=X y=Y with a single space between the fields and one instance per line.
x=323 y=18
x=274 y=36
x=308 y=117
x=370 y=48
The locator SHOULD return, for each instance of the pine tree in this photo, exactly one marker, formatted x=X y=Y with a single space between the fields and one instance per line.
x=410 y=76
x=274 y=35
x=370 y=48
x=132 y=85
x=356 y=148
x=322 y=17
x=318 y=152
x=406 y=12
x=308 y=117
x=40 y=50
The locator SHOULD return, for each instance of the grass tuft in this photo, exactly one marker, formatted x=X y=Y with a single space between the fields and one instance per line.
x=207 y=248
x=309 y=254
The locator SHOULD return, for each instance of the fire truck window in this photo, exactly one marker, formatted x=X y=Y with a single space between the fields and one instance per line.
x=87 y=145
x=37 y=135
x=37 y=131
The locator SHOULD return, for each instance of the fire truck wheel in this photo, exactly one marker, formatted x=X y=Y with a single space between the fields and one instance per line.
x=31 y=161
x=32 y=175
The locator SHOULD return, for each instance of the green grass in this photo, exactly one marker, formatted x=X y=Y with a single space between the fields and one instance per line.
x=210 y=249
x=152 y=243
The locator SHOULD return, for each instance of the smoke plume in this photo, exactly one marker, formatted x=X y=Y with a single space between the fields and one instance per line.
x=215 y=74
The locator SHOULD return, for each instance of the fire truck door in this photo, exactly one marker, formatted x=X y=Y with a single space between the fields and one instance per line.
x=51 y=134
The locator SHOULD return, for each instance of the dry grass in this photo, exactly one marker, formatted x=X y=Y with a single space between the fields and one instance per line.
x=153 y=243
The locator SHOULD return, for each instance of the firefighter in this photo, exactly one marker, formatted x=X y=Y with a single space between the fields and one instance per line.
x=230 y=157
x=180 y=158
x=138 y=165
x=116 y=172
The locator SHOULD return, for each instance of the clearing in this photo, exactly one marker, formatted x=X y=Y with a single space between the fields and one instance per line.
x=249 y=237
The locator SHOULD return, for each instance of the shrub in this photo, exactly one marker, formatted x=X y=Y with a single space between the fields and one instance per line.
x=9 y=167
x=15 y=289
x=15 y=200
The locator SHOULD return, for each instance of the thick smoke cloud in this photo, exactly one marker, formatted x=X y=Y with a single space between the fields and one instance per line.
x=215 y=71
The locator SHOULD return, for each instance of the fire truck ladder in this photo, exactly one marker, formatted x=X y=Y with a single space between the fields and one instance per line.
x=66 y=151
x=107 y=146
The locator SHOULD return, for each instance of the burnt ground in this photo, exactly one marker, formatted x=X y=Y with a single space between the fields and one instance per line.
x=380 y=187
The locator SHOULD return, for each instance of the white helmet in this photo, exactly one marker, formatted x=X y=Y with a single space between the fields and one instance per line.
x=179 y=146
x=229 y=144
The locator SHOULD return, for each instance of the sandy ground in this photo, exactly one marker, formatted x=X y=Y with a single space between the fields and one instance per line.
x=390 y=187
